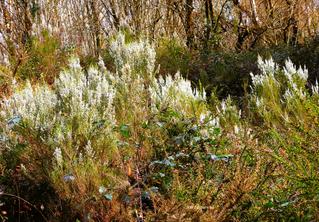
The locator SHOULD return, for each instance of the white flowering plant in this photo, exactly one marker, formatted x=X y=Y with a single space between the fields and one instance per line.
x=139 y=55
x=288 y=110
x=177 y=94
x=279 y=93
x=83 y=130
x=73 y=120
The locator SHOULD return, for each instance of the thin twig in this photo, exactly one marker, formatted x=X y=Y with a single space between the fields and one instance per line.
x=20 y=198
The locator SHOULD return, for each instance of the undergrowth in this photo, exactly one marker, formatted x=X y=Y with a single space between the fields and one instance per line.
x=133 y=145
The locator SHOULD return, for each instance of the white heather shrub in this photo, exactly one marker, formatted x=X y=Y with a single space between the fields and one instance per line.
x=140 y=55
x=35 y=105
x=176 y=93
x=89 y=96
x=135 y=71
x=136 y=82
x=74 y=119
x=77 y=119
x=279 y=92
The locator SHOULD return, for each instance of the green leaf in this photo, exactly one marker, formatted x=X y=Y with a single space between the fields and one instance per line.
x=269 y=204
x=216 y=131
x=125 y=131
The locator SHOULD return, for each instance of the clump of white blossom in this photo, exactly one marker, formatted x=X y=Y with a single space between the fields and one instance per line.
x=315 y=88
x=297 y=79
x=291 y=72
x=208 y=119
x=139 y=55
x=174 y=92
x=82 y=104
x=277 y=91
x=34 y=104
x=88 y=95
x=58 y=156
x=78 y=103
x=272 y=76
x=268 y=69
x=135 y=63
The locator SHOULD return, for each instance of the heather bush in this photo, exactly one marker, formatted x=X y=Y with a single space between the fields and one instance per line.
x=81 y=135
x=288 y=114
x=279 y=94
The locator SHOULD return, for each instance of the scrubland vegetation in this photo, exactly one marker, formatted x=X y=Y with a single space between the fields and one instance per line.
x=135 y=126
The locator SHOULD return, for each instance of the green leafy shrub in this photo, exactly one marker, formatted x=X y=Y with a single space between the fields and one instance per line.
x=172 y=57
x=44 y=59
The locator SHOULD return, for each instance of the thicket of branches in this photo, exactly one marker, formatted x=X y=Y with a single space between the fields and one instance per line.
x=230 y=24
